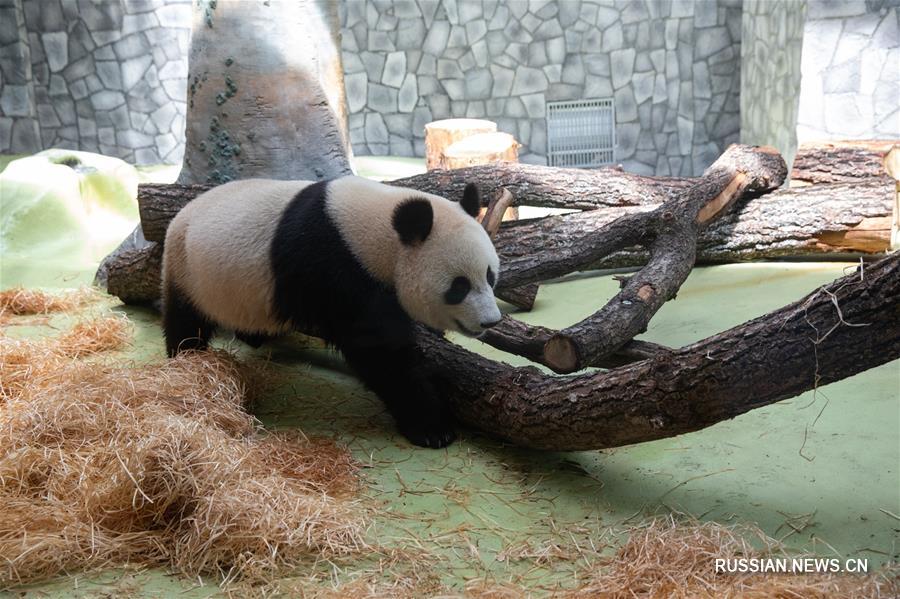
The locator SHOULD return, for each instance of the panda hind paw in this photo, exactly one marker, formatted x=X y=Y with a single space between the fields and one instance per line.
x=434 y=437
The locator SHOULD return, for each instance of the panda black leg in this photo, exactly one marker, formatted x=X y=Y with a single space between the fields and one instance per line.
x=254 y=340
x=395 y=375
x=185 y=327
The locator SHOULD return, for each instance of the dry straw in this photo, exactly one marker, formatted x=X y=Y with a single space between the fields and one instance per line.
x=155 y=465
x=20 y=301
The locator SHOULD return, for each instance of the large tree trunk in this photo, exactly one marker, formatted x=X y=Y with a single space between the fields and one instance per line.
x=844 y=328
x=846 y=219
x=265 y=92
x=269 y=106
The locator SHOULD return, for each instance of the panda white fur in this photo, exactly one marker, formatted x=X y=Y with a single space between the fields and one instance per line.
x=351 y=260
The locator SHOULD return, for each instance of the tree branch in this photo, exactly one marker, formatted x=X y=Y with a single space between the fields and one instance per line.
x=807 y=343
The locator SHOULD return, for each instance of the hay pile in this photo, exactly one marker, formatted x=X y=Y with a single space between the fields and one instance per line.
x=155 y=465
x=668 y=558
x=20 y=301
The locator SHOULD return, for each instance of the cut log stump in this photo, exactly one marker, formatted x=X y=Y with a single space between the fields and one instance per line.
x=481 y=148
x=439 y=135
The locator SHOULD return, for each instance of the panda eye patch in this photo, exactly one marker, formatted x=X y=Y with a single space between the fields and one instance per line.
x=490 y=277
x=459 y=288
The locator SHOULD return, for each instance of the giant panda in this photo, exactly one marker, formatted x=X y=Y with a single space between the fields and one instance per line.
x=350 y=260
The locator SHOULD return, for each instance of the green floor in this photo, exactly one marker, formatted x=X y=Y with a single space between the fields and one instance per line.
x=834 y=478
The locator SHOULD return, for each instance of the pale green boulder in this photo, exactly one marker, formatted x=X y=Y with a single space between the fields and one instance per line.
x=62 y=211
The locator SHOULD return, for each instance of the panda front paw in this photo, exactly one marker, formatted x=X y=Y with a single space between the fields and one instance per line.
x=434 y=435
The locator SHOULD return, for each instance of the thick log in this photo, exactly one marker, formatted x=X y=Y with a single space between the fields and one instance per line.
x=803 y=222
x=846 y=327
x=551 y=187
x=840 y=161
x=670 y=234
x=481 y=148
x=439 y=135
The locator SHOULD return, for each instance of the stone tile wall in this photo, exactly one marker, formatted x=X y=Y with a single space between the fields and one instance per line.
x=771 y=43
x=851 y=70
x=105 y=77
x=672 y=66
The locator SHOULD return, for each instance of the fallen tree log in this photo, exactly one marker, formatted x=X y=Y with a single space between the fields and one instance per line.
x=843 y=328
x=804 y=222
x=840 y=161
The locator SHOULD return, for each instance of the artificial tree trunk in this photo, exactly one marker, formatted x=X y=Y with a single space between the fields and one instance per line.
x=267 y=105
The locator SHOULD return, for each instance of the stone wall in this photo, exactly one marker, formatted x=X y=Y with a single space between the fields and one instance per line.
x=105 y=77
x=851 y=70
x=771 y=43
x=673 y=68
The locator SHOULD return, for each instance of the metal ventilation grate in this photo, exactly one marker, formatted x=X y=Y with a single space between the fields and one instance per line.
x=581 y=133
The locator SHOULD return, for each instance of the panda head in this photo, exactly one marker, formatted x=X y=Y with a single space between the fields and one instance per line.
x=447 y=267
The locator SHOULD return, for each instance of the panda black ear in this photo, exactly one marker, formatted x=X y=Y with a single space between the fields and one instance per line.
x=412 y=220
x=471 y=200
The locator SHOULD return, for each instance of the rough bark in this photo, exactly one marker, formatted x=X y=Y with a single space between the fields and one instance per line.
x=846 y=327
x=670 y=234
x=806 y=222
x=840 y=161
x=551 y=187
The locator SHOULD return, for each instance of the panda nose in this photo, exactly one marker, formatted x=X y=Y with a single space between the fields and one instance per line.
x=487 y=325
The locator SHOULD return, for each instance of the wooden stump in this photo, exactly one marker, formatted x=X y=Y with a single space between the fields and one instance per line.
x=439 y=135
x=481 y=148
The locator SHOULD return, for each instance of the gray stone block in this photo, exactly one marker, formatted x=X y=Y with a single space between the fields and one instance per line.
x=163 y=117
x=553 y=73
x=598 y=87
x=47 y=117
x=16 y=100
x=573 y=70
x=176 y=89
x=382 y=99
x=398 y=124
x=515 y=108
x=355 y=86
x=475 y=110
x=564 y=91
x=535 y=105
x=597 y=64
x=528 y=80
x=131 y=46
x=131 y=139
x=6 y=124
x=400 y=146
x=516 y=32
x=375 y=129
x=109 y=73
x=626 y=108
x=643 y=86
x=556 y=50
x=479 y=84
x=500 y=19
x=705 y=13
x=495 y=106
x=634 y=12
x=843 y=78
x=537 y=54
x=386 y=22
x=622 y=62
x=380 y=41
x=439 y=105
x=455 y=88
x=411 y=34
x=408 y=96
x=56 y=49
x=548 y=29
x=58 y=86
x=467 y=62
x=626 y=140
x=475 y=30
x=503 y=81
x=9 y=29
x=457 y=37
x=702 y=86
x=394 y=69
x=374 y=63
x=449 y=69
x=592 y=41
x=87 y=127
x=518 y=52
x=480 y=53
x=711 y=41
x=421 y=117
x=436 y=40
x=612 y=38
x=569 y=11
x=68 y=111
x=133 y=71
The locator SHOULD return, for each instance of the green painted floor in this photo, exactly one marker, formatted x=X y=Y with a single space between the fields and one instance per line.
x=820 y=472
